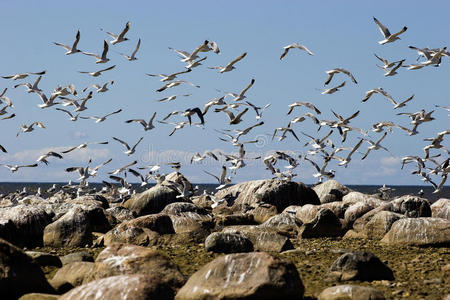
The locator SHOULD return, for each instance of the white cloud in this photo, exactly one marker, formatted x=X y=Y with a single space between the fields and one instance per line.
x=390 y=161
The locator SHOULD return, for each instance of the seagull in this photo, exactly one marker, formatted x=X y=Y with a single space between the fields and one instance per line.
x=31 y=88
x=130 y=150
x=97 y=73
x=43 y=158
x=317 y=143
x=403 y=103
x=447 y=108
x=306 y=104
x=179 y=125
x=17 y=167
x=187 y=57
x=60 y=91
x=93 y=172
x=436 y=58
x=175 y=83
x=73 y=49
x=120 y=170
x=84 y=145
x=239 y=133
x=302 y=118
x=321 y=171
x=147 y=126
x=103 y=118
x=191 y=111
x=8 y=117
x=392 y=72
x=132 y=57
x=101 y=59
x=332 y=72
x=22 y=75
x=5 y=99
x=208 y=46
x=386 y=63
x=229 y=66
x=83 y=171
x=378 y=90
x=388 y=37
x=3 y=110
x=259 y=110
x=25 y=128
x=235 y=119
x=47 y=102
x=175 y=165
x=169 y=77
x=374 y=145
x=139 y=175
x=333 y=89
x=194 y=63
x=3 y=149
x=79 y=106
x=199 y=157
x=294 y=46
x=223 y=180
x=345 y=161
x=436 y=143
x=72 y=117
x=121 y=37
x=173 y=97
x=378 y=127
x=284 y=130
x=100 y=89
x=241 y=95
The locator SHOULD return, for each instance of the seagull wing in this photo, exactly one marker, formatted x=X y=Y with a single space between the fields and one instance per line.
x=212 y=176
x=122 y=142
x=237 y=59
x=105 y=49
x=382 y=28
x=62 y=45
x=125 y=30
x=107 y=69
x=136 y=49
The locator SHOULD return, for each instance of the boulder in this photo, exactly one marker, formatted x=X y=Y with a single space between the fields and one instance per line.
x=380 y=224
x=357 y=210
x=39 y=296
x=187 y=217
x=262 y=212
x=77 y=256
x=419 y=232
x=75 y=228
x=222 y=242
x=350 y=292
x=244 y=276
x=71 y=275
x=355 y=197
x=121 y=213
x=234 y=219
x=363 y=266
x=279 y=193
x=45 y=259
x=124 y=287
x=307 y=212
x=330 y=191
x=19 y=274
x=338 y=208
x=23 y=225
x=126 y=259
x=262 y=238
x=140 y=231
x=325 y=224
x=152 y=201
x=284 y=223
x=441 y=209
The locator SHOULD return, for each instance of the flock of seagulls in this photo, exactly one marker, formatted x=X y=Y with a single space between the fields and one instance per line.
x=321 y=150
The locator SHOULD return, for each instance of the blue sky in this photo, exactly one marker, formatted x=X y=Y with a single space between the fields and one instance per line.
x=340 y=33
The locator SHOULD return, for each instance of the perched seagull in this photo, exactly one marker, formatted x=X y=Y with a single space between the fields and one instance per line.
x=199 y=157
x=294 y=46
x=72 y=117
x=130 y=150
x=257 y=109
x=17 y=167
x=84 y=145
x=306 y=104
x=169 y=77
x=43 y=158
x=173 y=97
x=223 y=180
x=333 y=89
x=192 y=111
x=378 y=90
x=331 y=73
x=97 y=73
x=103 y=118
x=25 y=128
x=147 y=126
x=100 y=89
x=374 y=145
x=387 y=64
x=132 y=57
x=175 y=83
x=31 y=88
x=392 y=72
x=229 y=66
x=101 y=59
x=73 y=49
x=22 y=75
x=121 y=37
x=120 y=170
x=388 y=37
x=235 y=119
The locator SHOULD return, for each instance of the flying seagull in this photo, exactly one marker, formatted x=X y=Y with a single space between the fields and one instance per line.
x=71 y=117
x=229 y=66
x=175 y=83
x=374 y=145
x=388 y=37
x=100 y=89
x=84 y=145
x=130 y=150
x=241 y=95
x=306 y=104
x=192 y=111
x=3 y=149
x=173 y=97
x=121 y=37
x=73 y=49
x=235 y=119
x=393 y=71
x=223 y=180
x=103 y=118
x=43 y=158
x=132 y=57
x=22 y=75
x=333 y=89
x=169 y=77
x=147 y=126
x=294 y=46
x=101 y=59
x=97 y=73
x=31 y=88
x=332 y=72
x=25 y=128
x=17 y=167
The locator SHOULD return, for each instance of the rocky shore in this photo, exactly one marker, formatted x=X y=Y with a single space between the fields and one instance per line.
x=264 y=239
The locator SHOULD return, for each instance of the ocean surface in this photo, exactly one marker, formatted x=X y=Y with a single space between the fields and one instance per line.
x=398 y=190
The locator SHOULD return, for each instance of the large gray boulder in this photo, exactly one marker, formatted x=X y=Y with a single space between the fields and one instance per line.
x=224 y=242
x=325 y=224
x=152 y=201
x=275 y=192
x=350 y=292
x=188 y=217
x=244 y=276
x=71 y=275
x=419 y=232
x=441 y=209
x=330 y=191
